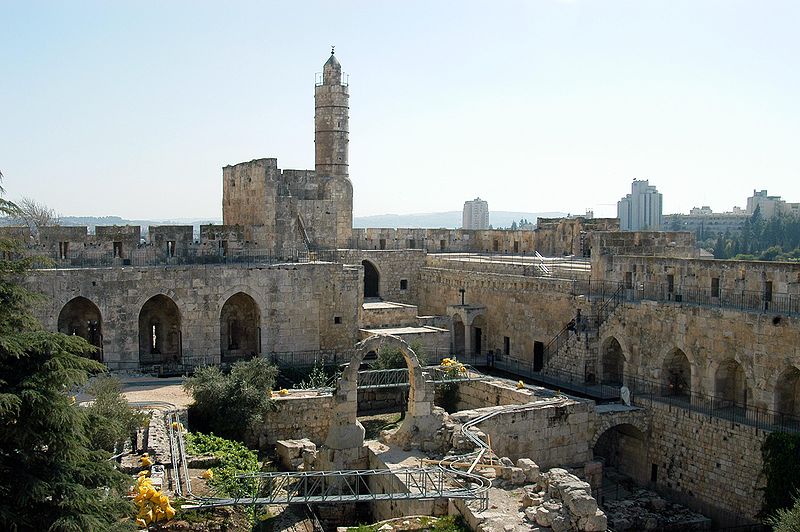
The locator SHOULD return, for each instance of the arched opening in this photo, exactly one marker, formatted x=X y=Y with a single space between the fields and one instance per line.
x=676 y=374
x=624 y=448
x=81 y=317
x=478 y=335
x=730 y=384
x=160 y=332
x=458 y=347
x=613 y=363
x=787 y=395
x=371 y=279
x=240 y=328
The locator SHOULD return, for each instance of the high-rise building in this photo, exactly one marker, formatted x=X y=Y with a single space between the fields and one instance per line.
x=770 y=206
x=476 y=214
x=641 y=209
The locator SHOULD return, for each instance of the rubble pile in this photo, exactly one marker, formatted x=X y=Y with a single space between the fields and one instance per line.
x=645 y=510
x=562 y=502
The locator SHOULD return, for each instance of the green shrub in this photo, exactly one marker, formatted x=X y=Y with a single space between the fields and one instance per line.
x=235 y=459
x=232 y=405
x=781 y=457
x=111 y=418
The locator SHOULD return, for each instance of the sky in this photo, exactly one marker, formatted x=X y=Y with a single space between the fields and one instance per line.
x=133 y=108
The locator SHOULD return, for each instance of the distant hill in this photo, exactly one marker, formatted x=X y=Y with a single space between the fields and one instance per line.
x=449 y=220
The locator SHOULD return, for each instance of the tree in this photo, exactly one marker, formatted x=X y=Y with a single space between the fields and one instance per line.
x=34 y=214
x=50 y=479
x=786 y=519
x=233 y=405
x=111 y=418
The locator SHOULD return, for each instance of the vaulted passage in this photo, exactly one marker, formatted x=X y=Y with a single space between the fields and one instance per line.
x=613 y=363
x=240 y=328
x=624 y=447
x=787 y=395
x=371 y=279
x=160 y=332
x=81 y=317
x=730 y=384
x=676 y=374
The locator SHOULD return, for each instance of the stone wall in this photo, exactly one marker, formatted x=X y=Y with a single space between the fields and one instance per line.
x=552 y=432
x=298 y=305
x=709 y=460
x=493 y=392
x=714 y=342
x=301 y=414
x=524 y=309
x=394 y=266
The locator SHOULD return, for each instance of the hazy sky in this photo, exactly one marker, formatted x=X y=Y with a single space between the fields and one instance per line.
x=133 y=108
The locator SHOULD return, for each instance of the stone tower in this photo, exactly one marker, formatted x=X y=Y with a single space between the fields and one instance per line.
x=331 y=108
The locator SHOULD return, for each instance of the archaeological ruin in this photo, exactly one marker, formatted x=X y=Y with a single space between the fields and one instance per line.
x=593 y=354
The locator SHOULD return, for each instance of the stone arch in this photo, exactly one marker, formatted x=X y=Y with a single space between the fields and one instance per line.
x=730 y=383
x=240 y=328
x=612 y=362
x=160 y=334
x=458 y=337
x=676 y=373
x=346 y=432
x=81 y=317
x=372 y=279
x=624 y=447
x=787 y=393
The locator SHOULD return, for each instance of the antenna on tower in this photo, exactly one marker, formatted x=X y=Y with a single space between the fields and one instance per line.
x=332 y=47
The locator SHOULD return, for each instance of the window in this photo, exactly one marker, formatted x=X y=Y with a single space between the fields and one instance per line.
x=403 y=284
x=382 y=243
x=223 y=248
x=170 y=248
x=442 y=245
x=496 y=246
x=337 y=320
x=670 y=283
x=63 y=247
x=715 y=287
x=506 y=345
x=412 y=243
x=117 y=247
x=628 y=279
x=516 y=246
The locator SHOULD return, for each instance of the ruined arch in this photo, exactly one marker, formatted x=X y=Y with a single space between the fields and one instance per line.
x=240 y=328
x=372 y=279
x=346 y=432
x=81 y=317
x=612 y=362
x=160 y=340
x=730 y=383
x=787 y=393
x=676 y=374
x=624 y=447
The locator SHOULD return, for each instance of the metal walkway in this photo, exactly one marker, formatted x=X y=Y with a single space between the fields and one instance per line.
x=314 y=487
x=398 y=378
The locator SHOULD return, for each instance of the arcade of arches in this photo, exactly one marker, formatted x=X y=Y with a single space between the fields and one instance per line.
x=787 y=392
x=730 y=383
x=159 y=331
x=240 y=328
x=81 y=317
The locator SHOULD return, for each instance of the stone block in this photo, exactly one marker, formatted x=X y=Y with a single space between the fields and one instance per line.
x=598 y=522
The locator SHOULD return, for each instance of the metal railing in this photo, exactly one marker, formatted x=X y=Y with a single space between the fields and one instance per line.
x=749 y=300
x=645 y=392
x=150 y=257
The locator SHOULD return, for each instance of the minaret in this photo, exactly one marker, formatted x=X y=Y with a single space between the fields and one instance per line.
x=331 y=121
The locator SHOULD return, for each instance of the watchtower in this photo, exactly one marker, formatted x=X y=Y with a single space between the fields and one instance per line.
x=331 y=121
